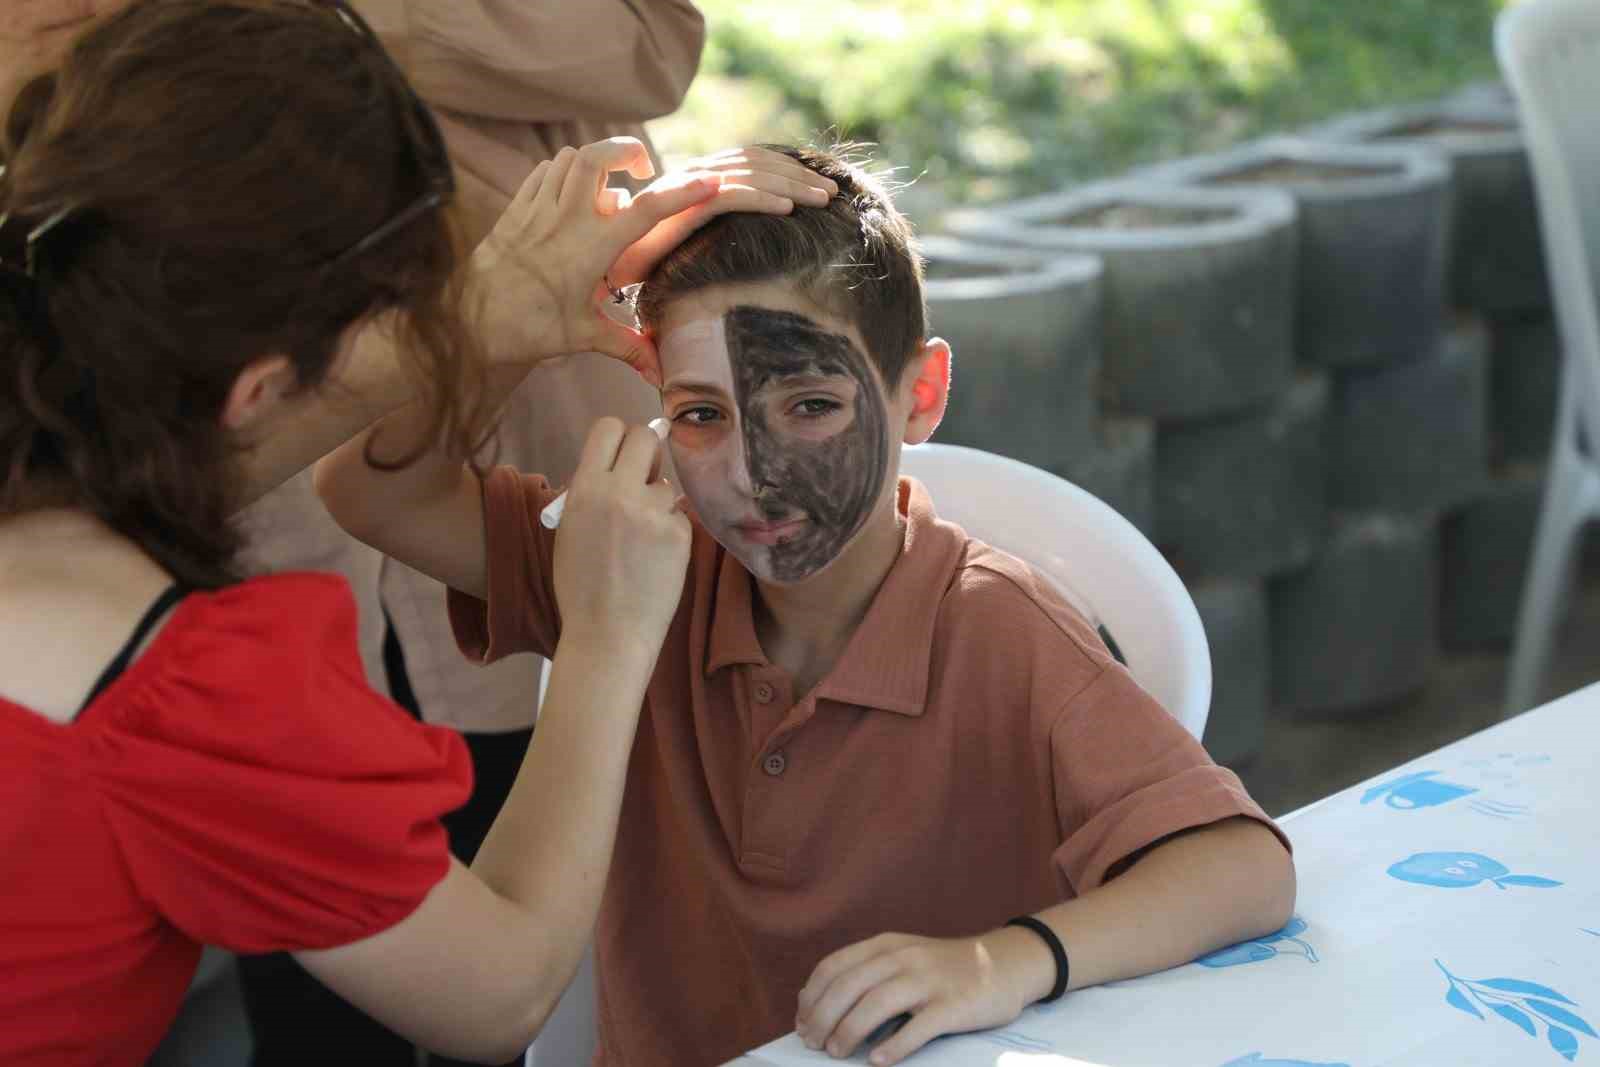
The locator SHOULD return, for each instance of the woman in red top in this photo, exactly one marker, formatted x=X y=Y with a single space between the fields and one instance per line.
x=223 y=254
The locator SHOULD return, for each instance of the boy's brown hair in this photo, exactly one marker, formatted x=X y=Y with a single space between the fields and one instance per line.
x=854 y=258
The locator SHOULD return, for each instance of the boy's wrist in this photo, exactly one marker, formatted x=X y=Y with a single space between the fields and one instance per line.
x=1024 y=961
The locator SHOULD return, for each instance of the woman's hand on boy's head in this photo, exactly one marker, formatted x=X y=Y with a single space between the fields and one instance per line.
x=540 y=275
x=753 y=179
x=34 y=32
x=946 y=986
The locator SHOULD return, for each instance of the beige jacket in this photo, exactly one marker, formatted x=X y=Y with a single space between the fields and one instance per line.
x=512 y=81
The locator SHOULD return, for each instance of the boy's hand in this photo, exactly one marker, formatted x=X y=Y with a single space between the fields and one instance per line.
x=947 y=986
x=623 y=547
x=753 y=179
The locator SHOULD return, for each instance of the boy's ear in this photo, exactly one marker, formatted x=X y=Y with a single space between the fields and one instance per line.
x=258 y=390
x=929 y=384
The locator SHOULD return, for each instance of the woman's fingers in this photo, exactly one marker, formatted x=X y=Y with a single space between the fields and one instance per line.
x=767 y=161
x=611 y=201
x=640 y=451
x=660 y=202
x=627 y=345
x=640 y=258
x=528 y=191
x=601 y=446
x=553 y=194
x=595 y=164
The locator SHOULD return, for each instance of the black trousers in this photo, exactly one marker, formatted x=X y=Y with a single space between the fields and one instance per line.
x=299 y=1022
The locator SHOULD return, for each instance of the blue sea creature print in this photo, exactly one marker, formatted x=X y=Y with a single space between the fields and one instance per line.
x=1419 y=790
x=1255 y=1060
x=1424 y=789
x=1263 y=948
x=1525 y=1005
x=1462 y=870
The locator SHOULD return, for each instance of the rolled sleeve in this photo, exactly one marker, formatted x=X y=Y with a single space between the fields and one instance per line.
x=1127 y=775
x=605 y=60
x=520 y=614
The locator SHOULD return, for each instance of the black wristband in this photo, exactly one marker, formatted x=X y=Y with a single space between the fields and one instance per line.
x=1063 y=969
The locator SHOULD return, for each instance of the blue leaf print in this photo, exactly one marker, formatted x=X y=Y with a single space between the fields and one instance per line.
x=1506 y=1011
x=1458 y=1000
x=1564 y=1043
x=1533 y=989
x=1558 y=1014
x=1527 y=879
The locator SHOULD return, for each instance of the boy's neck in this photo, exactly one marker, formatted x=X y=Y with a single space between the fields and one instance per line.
x=804 y=627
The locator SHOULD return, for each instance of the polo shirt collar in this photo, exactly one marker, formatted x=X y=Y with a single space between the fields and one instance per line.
x=886 y=663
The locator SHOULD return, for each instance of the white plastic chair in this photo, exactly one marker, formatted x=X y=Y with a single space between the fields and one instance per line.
x=1099 y=559
x=568 y=1037
x=1101 y=562
x=1550 y=53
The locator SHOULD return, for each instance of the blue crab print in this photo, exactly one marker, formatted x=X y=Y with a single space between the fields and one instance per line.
x=1263 y=948
x=1462 y=870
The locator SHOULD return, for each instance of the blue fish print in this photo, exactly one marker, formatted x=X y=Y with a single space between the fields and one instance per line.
x=1525 y=1005
x=1262 y=948
x=1462 y=870
x=1255 y=1060
x=1419 y=790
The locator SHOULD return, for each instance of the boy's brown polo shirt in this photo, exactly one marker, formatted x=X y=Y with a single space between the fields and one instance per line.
x=974 y=755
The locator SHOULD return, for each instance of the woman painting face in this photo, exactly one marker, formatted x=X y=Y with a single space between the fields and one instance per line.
x=779 y=435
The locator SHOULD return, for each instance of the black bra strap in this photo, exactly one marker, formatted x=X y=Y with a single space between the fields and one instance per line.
x=152 y=615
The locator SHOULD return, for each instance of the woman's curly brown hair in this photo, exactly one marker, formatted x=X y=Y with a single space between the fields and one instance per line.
x=213 y=155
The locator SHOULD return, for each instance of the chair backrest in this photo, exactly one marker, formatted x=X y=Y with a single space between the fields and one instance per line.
x=1550 y=53
x=1100 y=561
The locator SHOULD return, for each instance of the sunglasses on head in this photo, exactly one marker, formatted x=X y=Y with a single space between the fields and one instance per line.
x=433 y=158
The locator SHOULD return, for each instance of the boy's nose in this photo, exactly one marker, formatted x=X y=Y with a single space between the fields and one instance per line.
x=739 y=468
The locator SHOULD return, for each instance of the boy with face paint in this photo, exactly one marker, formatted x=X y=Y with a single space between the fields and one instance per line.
x=870 y=740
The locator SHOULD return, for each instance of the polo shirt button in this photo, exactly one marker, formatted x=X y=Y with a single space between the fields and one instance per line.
x=764 y=693
x=774 y=764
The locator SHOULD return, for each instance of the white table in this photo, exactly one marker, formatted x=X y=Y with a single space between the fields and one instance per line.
x=1448 y=916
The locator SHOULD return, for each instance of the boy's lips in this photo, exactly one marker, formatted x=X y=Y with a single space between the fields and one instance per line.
x=768 y=533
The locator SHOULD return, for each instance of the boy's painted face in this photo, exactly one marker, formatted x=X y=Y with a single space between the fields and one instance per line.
x=780 y=435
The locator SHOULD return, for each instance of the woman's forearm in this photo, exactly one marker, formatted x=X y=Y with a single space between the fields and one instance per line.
x=550 y=847
x=1195 y=893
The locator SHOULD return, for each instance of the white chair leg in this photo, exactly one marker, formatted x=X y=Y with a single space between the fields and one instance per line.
x=1544 y=591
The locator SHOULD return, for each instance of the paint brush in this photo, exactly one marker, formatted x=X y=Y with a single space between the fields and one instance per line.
x=550 y=517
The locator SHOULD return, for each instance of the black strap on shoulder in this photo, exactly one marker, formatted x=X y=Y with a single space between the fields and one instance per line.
x=152 y=615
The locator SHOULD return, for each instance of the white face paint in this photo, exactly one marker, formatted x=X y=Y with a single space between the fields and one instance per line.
x=779 y=436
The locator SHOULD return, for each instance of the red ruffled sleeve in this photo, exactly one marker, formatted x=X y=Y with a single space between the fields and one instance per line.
x=263 y=796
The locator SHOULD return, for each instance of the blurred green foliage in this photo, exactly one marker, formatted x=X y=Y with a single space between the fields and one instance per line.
x=984 y=99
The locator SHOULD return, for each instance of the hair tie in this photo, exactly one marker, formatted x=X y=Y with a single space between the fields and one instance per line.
x=19 y=243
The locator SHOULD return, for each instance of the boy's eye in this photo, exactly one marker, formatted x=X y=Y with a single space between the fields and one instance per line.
x=700 y=415
x=816 y=407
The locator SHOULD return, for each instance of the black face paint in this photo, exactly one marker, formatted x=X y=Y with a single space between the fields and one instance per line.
x=834 y=483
